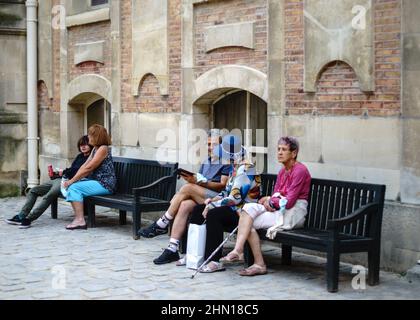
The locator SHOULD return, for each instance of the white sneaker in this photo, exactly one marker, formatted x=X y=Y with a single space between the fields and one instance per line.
x=418 y=261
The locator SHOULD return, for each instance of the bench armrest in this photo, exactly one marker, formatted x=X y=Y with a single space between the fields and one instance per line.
x=139 y=191
x=368 y=209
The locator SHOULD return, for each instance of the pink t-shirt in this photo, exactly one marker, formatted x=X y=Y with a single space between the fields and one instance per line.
x=293 y=184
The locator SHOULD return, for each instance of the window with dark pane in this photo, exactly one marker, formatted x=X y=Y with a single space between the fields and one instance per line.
x=98 y=2
x=245 y=111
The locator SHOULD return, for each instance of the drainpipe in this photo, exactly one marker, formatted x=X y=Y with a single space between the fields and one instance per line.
x=32 y=75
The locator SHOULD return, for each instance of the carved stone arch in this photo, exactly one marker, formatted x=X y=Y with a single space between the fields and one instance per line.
x=329 y=63
x=90 y=83
x=143 y=79
x=162 y=80
x=339 y=30
x=44 y=94
x=221 y=79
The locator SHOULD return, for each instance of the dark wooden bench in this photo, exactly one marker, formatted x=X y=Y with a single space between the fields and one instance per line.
x=343 y=217
x=142 y=186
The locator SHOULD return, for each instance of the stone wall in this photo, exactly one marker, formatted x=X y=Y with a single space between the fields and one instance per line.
x=12 y=98
x=149 y=90
x=89 y=50
x=338 y=89
x=228 y=45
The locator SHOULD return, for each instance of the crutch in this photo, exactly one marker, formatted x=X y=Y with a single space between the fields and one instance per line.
x=214 y=252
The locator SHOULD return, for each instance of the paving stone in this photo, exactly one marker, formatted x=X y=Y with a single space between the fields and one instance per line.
x=120 y=292
x=96 y=294
x=105 y=263
x=33 y=279
x=46 y=295
x=120 y=268
x=92 y=287
x=10 y=288
x=120 y=276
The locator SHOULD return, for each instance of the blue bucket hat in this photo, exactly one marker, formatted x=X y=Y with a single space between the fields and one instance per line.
x=230 y=149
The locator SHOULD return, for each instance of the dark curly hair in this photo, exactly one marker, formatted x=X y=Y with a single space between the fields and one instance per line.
x=83 y=141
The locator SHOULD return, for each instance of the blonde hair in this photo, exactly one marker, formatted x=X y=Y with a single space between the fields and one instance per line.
x=99 y=135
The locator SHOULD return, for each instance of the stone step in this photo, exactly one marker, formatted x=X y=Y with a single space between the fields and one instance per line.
x=413 y=274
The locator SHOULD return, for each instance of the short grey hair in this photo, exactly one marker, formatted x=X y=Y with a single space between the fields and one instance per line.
x=292 y=142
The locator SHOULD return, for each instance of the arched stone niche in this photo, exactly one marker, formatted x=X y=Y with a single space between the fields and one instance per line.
x=339 y=30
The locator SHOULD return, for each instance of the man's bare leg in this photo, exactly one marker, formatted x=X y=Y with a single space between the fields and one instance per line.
x=188 y=191
x=180 y=223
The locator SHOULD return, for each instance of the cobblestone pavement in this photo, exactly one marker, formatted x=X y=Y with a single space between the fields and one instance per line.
x=48 y=262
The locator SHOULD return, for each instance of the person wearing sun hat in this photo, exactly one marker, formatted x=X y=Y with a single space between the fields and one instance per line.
x=230 y=149
x=222 y=212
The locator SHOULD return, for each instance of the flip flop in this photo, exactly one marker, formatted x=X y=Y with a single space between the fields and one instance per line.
x=233 y=256
x=254 y=270
x=217 y=266
x=83 y=227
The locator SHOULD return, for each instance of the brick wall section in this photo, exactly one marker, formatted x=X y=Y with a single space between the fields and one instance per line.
x=56 y=66
x=226 y=12
x=90 y=33
x=338 y=90
x=149 y=98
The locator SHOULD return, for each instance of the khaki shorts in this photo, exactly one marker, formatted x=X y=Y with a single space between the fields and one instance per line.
x=292 y=218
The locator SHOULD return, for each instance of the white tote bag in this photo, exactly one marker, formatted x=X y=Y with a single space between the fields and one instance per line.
x=196 y=245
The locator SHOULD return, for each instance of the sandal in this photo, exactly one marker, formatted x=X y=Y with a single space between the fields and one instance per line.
x=213 y=266
x=74 y=227
x=233 y=256
x=181 y=262
x=254 y=270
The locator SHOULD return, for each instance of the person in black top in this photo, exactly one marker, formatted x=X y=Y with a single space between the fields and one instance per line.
x=50 y=190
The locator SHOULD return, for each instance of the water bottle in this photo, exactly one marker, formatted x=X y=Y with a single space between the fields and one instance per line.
x=50 y=171
x=63 y=189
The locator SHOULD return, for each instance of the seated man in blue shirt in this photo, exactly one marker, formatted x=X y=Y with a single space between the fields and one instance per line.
x=191 y=194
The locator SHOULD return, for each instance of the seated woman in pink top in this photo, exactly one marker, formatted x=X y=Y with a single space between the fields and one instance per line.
x=285 y=209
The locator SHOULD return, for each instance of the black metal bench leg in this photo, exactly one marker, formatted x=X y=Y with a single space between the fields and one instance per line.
x=91 y=214
x=123 y=217
x=248 y=255
x=54 y=207
x=286 y=255
x=136 y=223
x=373 y=265
x=333 y=266
x=85 y=208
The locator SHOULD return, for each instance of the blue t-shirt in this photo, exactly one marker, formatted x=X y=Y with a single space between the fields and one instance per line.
x=214 y=171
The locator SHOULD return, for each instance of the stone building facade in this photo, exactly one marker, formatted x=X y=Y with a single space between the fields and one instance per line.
x=12 y=97
x=342 y=76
